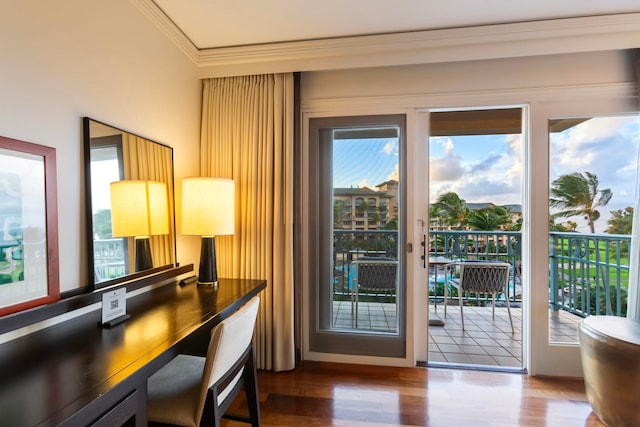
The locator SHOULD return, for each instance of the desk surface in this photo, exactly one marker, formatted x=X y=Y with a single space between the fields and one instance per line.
x=71 y=372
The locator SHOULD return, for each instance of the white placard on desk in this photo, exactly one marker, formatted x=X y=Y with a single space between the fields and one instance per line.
x=114 y=304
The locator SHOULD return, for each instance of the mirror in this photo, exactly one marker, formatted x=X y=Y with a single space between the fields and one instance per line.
x=112 y=154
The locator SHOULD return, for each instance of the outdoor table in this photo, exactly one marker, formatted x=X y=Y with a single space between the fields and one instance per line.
x=434 y=319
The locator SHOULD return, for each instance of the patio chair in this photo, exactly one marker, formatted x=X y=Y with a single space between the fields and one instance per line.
x=482 y=278
x=374 y=276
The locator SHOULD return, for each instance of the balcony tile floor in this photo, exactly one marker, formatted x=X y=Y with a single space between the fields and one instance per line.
x=485 y=341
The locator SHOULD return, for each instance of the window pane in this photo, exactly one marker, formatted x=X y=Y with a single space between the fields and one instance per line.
x=593 y=173
x=365 y=186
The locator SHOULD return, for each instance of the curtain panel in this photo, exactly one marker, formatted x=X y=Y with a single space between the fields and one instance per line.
x=247 y=135
x=148 y=161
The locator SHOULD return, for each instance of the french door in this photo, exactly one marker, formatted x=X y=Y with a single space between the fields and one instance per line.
x=355 y=262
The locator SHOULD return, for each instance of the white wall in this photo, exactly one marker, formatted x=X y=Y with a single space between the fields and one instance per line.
x=62 y=60
x=419 y=84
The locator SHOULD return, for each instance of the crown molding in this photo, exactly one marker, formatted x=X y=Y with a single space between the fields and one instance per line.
x=584 y=34
x=168 y=28
x=451 y=45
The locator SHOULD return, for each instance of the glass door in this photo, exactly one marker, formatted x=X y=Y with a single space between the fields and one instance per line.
x=356 y=229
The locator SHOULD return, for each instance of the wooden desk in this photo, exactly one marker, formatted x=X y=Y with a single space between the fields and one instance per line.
x=77 y=374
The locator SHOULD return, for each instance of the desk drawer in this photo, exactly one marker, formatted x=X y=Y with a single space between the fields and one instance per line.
x=123 y=414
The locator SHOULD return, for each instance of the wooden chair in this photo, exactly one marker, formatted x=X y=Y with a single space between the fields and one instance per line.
x=482 y=278
x=197 y=391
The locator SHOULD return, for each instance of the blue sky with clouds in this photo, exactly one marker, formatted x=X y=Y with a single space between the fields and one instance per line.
x=607 y=147
x=489 y=168
x=364 y=162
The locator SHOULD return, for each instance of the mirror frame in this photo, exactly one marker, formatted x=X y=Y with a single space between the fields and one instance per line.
x=93 y=284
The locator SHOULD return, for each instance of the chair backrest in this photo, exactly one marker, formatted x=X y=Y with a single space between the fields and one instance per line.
x=229 y=340
x=376 y=275
x=484 y=277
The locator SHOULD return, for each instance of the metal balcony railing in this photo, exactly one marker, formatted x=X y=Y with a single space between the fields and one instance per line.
x=349 y=245
x=588 y=273
x=109 y=259
x=505 y=246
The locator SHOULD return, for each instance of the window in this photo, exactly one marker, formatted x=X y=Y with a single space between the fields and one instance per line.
x=593 y=171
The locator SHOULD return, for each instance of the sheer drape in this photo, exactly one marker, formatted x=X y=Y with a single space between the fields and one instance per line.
x=633 y=309
x=247 y=135
x=149 y=161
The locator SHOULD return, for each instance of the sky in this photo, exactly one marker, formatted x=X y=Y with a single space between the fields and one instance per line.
x=364 y=162
x=489 y=168
x=103 y=173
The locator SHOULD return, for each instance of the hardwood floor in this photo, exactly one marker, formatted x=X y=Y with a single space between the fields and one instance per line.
x=326 y=394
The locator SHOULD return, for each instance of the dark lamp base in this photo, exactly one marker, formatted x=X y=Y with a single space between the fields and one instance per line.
x=143 y=254
x=208 y=273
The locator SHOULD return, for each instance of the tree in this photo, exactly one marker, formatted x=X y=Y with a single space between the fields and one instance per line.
x=488 y=219
x=564 y=227
x=578 y=194
x=621 y=222
x=513 y=225
x=391 y=225
x=436 y=220
x=340 y=210
x=453 y=209
x=102 y=224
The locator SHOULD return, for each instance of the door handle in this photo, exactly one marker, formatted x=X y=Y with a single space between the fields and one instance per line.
x=424 y=251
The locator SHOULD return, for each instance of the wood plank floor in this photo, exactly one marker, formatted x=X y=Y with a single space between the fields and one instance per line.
x=326 y=394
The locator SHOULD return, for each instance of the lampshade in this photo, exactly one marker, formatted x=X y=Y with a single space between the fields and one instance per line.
x=139 y=208
x=207 y=206
x=208 y=211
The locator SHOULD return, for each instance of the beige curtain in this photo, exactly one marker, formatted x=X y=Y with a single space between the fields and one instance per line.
x=150 y=161
x=247 y=135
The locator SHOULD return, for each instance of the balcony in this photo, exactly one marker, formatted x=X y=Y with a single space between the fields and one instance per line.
x=588 y=275
x=109 y=259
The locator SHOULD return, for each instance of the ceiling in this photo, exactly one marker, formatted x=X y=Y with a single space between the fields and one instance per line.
x=211 y=24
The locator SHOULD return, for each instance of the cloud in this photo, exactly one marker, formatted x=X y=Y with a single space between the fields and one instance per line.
x=395 y=174
x=446 y=169
x=391 y=147
x=365 y=183
x=600 y=145
x=449 y=167
x=494 y=174
x=486 y=164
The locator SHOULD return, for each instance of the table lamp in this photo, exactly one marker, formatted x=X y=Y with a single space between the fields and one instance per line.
x=208 y=211
x=139 y=209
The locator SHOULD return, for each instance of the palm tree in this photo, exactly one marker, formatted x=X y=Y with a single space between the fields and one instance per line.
x=436 y=219
x=340 y=210
x=488 y=219
x=453 y=209
x=579 y=194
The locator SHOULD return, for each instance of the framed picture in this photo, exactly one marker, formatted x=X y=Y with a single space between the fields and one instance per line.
x=29 y=265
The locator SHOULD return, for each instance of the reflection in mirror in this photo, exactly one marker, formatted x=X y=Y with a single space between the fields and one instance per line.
x=115 y=155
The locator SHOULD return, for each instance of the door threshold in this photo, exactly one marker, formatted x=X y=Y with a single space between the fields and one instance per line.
x=462 y=366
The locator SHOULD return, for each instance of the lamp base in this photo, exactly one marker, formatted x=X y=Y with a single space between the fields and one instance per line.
x=143 y=253
x=208 y=273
